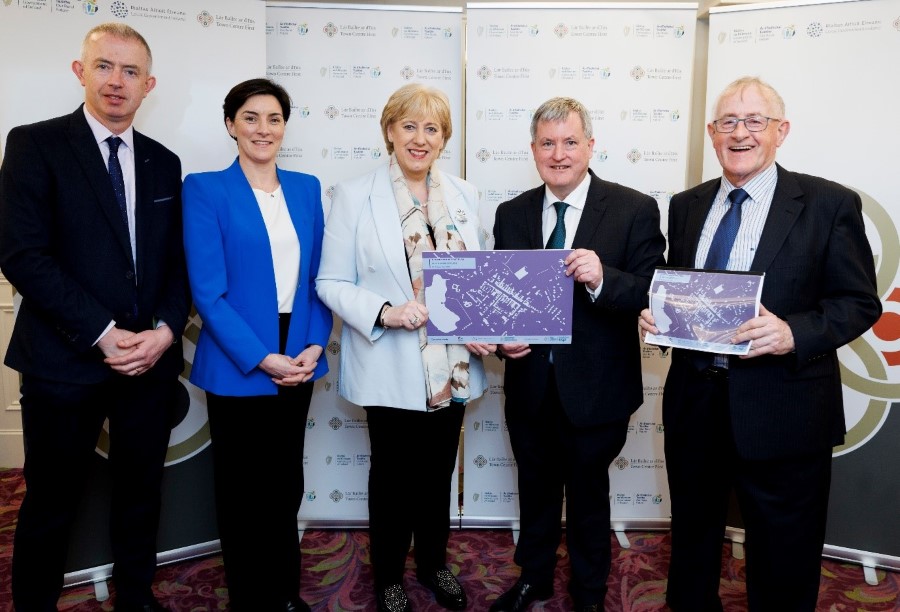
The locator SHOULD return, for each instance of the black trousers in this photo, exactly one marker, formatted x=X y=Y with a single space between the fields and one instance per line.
x=556 y=459
x=61 y=424
x=259 y=440
x=783 y=502
x=411 y=451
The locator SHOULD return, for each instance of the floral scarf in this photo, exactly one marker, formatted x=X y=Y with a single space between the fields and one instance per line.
x=446 y=365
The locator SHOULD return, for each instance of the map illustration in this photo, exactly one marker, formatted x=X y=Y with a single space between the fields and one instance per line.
x=498 y=296
x=702 y=310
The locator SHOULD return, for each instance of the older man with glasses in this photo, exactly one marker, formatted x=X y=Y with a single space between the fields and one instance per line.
x=763 y=424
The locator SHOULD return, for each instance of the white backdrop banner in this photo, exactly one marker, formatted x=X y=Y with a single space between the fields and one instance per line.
x=631 y=65
x=340 y=63
x=827 y=60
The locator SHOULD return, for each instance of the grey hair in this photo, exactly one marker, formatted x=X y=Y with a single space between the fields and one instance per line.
x=120 y=30
x=559 y=109
x=748 y=82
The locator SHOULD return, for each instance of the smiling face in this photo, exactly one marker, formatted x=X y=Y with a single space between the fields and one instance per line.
x=744 y=154
x=562 y=154
x=417 y=144
x=258 y=127
x=115 y=73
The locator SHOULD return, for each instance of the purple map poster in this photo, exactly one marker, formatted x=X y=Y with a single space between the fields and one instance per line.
x=498 y=297
x=701 y=310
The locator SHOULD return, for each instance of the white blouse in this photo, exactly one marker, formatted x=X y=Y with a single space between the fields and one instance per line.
x=284 y=243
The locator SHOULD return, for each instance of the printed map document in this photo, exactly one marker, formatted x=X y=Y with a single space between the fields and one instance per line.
x=498 y=297
x=701 y=310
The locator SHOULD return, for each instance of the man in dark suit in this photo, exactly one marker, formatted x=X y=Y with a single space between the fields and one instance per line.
x=567 y=406
x=90 y=235
x=765 y=423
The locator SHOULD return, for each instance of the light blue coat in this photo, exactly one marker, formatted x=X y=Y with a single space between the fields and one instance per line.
x=232 y=276
x=363 y=266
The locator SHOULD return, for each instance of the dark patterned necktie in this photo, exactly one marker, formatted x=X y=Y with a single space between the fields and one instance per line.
x=723 y=240
x=116 y=177
x=557 y=239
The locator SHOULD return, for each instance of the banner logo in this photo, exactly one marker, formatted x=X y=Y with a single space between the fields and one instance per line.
x=310 y=423
x=394 y=32
x=679 y=31
x=621 y=463
x=634 y=156
x=601 y=156
x=332 y=112
x=479 y=461
x=484 y=73
x=310 y=496
x=534 y=31
x=119 y=9
x=407 y=73
x=335 y=496
x=873 y=369
x=561 y=30
x=90 y=7
x=328 y=460
x=897 y=23
x=789 y=32
x=722 y=36
x=627 y=30
x=475 y=497
x=483 y=155
x=335 y=423
x=330 y=30
x=303 y=29
x=637 y=73
x=204 y=19
x=476 y=425
x=814 y=30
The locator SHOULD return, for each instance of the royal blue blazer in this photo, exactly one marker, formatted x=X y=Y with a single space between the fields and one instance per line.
x=232 y=276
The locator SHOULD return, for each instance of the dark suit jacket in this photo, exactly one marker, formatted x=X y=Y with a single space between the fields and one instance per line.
x=64 y=247
x=820 y=278
x=599 y=374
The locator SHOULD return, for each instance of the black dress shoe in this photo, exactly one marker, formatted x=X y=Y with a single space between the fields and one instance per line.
x=297 y=605
x=522 y=595
x=447 y=590
x=393 y=599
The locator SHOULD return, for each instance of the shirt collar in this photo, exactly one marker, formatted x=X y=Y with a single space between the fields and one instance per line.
x=757 y=186
x=576 y=199
x=101 y=132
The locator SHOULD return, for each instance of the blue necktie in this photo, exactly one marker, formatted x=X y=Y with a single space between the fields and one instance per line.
x=557 y=238
x=116 y=177
x=723 y=240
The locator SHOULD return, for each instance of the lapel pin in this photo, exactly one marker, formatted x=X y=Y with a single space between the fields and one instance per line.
x=461 y=215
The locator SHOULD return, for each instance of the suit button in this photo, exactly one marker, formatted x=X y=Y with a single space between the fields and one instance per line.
x=129 y=275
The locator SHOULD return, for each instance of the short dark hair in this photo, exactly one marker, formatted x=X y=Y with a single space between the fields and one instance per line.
x=242 y=92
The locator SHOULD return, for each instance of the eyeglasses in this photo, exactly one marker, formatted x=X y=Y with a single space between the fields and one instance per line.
x=753 y=123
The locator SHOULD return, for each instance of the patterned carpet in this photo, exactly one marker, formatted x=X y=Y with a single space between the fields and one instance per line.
x=337 y=574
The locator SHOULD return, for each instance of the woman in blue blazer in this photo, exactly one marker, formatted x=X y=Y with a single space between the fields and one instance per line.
x=414 y=393
x=252 y=237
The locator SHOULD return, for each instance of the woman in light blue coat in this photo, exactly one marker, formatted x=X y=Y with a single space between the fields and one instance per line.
x=414 y=393
x=253 y=236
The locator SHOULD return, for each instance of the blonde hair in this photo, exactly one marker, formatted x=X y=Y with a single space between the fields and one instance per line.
x=414 y=101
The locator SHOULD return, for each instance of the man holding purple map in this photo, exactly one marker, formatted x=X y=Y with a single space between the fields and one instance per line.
x=764 y=423
x=568 y=405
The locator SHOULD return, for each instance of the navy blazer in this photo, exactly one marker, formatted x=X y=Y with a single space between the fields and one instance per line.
x=599 y=374
x=232 y=277
x=820 y=278
x=64 y=247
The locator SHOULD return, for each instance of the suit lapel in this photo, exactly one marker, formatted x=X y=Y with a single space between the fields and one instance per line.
x=144 y=181
x=783 y=214
x=90 y=159
x=697 y=212
x=534 y=219
x=457 y=208
x=388 y=230
x=594 y=208
x=301 y=217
